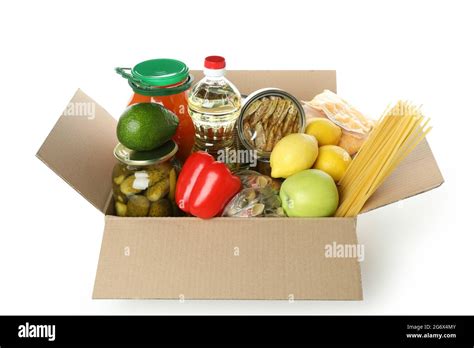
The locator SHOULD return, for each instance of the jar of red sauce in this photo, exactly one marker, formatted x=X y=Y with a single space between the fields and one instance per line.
x=167 y=82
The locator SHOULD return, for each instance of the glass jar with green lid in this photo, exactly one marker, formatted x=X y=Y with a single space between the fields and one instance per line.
x=144 y=182
x=167 y=82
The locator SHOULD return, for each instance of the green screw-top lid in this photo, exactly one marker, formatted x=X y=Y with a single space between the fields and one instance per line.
x=147 y=77
x=160 y=72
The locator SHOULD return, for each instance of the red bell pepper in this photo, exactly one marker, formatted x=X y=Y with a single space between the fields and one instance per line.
x=193 y=166
x=205 y=186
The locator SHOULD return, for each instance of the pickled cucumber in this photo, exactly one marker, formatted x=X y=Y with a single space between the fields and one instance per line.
x=164 y=166
x=159 y=173
x=118 y=195
x=161 y=207
x=137 y=206
x=173 y=178
x=119 y=179
x=120 y=172
x=159 y=190
x=120 y=209
x=127 y=186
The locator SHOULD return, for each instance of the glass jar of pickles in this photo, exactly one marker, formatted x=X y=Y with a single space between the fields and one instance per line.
x=144 y=182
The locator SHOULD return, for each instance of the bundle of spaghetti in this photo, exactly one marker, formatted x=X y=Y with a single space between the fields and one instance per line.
x=396 y=134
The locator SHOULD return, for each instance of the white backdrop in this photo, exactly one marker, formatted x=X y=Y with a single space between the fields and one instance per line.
x=418 y=253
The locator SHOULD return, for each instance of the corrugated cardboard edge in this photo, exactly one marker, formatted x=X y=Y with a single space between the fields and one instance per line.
x=283 y=258
x=418 y=173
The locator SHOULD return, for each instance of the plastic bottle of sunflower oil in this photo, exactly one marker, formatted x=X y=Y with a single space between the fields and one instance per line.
x=214 y=105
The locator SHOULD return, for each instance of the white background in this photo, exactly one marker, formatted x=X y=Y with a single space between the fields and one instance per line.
x=419 y=253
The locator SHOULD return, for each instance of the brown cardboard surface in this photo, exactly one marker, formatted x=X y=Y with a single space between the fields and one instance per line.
x=418 y=173
x=172 y=258
x=304 y=84
x=79 y=150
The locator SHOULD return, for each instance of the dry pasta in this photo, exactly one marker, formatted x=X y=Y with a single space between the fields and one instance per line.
x=396 y=134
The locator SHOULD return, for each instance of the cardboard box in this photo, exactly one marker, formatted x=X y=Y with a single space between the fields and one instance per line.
x=222 y=258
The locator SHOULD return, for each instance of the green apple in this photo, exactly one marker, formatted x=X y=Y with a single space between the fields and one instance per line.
x=309 y=193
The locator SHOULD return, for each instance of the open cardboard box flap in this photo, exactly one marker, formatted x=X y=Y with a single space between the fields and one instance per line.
x=80 y=149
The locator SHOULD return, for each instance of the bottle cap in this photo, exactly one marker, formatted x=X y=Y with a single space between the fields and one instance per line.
x=214 y=62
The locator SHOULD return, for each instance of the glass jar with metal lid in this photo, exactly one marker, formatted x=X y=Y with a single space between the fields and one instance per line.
x=167 y=82
x=144 y=182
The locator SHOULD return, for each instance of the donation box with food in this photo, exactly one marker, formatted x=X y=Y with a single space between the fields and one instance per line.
x=236 y=184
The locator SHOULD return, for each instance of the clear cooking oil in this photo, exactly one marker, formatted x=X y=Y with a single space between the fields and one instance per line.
x=214 y=105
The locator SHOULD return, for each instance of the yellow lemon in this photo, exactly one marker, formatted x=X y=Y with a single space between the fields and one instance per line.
x=333 y=160
x=326 y=132
x=292 y=154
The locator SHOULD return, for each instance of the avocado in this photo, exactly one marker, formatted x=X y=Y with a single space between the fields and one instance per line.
x=146 y=126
